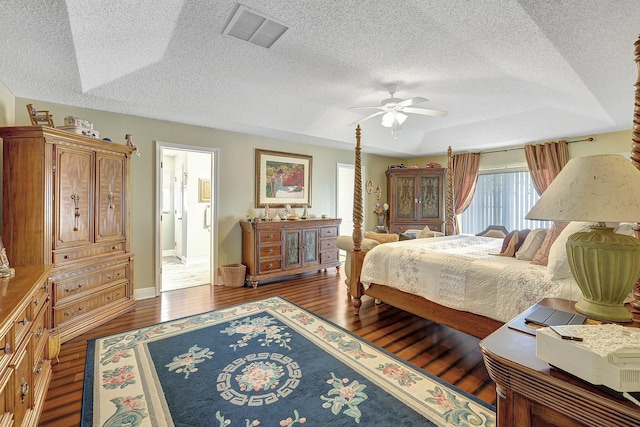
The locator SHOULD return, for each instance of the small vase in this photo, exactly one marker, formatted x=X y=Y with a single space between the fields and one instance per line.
x=381 y=219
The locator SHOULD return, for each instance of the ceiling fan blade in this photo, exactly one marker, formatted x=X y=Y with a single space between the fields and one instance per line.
x=377 y=107
x=412 y=101
x=425 y=111
x=370 y=116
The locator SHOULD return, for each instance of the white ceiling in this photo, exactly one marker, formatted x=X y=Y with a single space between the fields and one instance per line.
x=508 y=71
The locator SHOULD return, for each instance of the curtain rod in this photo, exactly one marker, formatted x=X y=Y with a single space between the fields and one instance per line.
x=522 y=148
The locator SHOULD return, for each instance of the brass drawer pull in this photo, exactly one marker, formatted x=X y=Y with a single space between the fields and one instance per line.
x=36 y=302
x=24 y=388
x=270 y=265
x=270 y=251
x=67 y=313
x=74 y=289
x=40 y=331
x=110 y=297
x=39 y=368
x=109 y=276
x=67 y=257
x=24 y=321
x=6 y=348
x=76 y=215
x=270 y=236
x=45 y=288
x=110 y=197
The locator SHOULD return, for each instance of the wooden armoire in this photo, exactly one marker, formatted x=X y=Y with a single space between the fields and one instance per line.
x=65 y=203
x=416 y=198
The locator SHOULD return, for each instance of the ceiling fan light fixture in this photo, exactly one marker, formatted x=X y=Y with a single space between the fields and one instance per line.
x=393 y=119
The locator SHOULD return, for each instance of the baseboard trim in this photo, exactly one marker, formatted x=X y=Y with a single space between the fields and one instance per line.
x=145 y=293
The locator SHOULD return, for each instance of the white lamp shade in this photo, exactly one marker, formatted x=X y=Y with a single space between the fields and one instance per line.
x=602 y=188
x=393 y=119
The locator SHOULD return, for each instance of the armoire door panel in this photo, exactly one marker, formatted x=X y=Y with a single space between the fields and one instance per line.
x=405 y=197
x=74 y=197
x=430 y=188
x=109 y=204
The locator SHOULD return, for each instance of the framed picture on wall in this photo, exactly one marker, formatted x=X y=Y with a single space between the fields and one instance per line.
x=282 y=178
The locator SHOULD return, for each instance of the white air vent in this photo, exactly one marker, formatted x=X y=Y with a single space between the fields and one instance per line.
x=254 y=27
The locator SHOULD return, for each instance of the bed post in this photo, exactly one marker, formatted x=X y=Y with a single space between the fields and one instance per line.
x=355 y=286
x=635 y=159
x=450 y=222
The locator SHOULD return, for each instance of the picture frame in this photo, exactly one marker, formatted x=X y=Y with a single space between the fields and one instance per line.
x=282 y=178
x=369 y=186
x=204 y=190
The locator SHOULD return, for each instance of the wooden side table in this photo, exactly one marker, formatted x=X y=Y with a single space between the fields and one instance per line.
x=531 y=393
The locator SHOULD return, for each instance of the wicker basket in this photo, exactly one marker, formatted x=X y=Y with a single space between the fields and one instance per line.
x=233 y=274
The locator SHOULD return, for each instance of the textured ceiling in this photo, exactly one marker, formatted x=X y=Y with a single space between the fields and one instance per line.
x=508 y=72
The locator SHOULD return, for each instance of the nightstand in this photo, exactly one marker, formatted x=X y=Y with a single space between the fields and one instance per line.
x=532 y=393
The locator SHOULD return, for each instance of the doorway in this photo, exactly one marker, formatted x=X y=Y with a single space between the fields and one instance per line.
x=344 y=199
x=186 y=220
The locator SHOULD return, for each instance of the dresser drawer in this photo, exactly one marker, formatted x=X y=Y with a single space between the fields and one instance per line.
x=39 y=299
x=7 y=348
x=329 y=257
x=6 y=387
x=40 y=333
x=86 y=283
x=82 y=307
x=268 y=251
x=61 y=257
x=328 y=232
x=22 y=324
x=268 y=236
x=272 y=265
x=327 y=244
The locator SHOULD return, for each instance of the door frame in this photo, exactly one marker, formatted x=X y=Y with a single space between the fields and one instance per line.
x=215 y=154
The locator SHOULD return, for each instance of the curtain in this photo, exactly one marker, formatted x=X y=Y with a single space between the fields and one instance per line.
x=465 y=175
x=545 y=162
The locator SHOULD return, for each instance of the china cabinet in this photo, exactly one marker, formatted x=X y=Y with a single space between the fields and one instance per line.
x=416 y=198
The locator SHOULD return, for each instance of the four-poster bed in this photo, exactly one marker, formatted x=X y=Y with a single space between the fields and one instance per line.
x=464 y=321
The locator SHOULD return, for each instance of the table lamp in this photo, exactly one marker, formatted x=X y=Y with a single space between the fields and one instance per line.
x=605 y=265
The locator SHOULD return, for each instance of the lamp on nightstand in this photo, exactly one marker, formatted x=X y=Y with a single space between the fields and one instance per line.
x=605 y=265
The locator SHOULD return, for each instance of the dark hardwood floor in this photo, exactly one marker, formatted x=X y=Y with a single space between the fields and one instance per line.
x=449 y=354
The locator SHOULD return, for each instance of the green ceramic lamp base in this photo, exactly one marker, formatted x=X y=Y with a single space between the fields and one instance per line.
x=606 y=266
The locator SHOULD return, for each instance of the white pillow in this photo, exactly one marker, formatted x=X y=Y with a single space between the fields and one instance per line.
x=625 y=228
x=531 y=244
x=558 y=264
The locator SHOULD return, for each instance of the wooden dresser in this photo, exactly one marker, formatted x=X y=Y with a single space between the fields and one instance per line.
x=272 y=249
x=531 y=393
x=66 y=204
x=25 y=368
x=416 y=198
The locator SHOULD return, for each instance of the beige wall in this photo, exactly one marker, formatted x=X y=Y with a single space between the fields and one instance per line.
x=605 y=143
x=236 y=172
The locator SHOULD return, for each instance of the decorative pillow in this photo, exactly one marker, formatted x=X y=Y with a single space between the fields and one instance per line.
x=513 y=241
x=426 y=232
x=558 y=264
x=406 y=236
x=542 y=255
x=381 y=237
x=531 y=244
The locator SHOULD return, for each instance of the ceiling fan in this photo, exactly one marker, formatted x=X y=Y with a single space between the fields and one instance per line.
x=394 y=110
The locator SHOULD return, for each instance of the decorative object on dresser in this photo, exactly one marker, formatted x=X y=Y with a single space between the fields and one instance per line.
x=605 y=264
x=282 y=178
x=83 y=231
x=25 y=365
x=275 y=249
x=416 y=198
x=39 y=117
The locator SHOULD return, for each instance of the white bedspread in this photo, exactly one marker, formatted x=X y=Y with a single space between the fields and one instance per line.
x=459 y=272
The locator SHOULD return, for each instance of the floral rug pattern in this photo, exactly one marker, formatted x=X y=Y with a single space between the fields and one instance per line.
x=265 y=363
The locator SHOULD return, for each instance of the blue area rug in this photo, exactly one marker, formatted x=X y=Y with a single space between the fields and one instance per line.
x=265 y=363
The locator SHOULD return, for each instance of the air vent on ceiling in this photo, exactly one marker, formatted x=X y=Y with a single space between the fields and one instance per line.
x=254 y=27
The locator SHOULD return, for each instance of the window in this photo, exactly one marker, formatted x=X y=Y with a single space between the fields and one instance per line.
x=501 y=198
